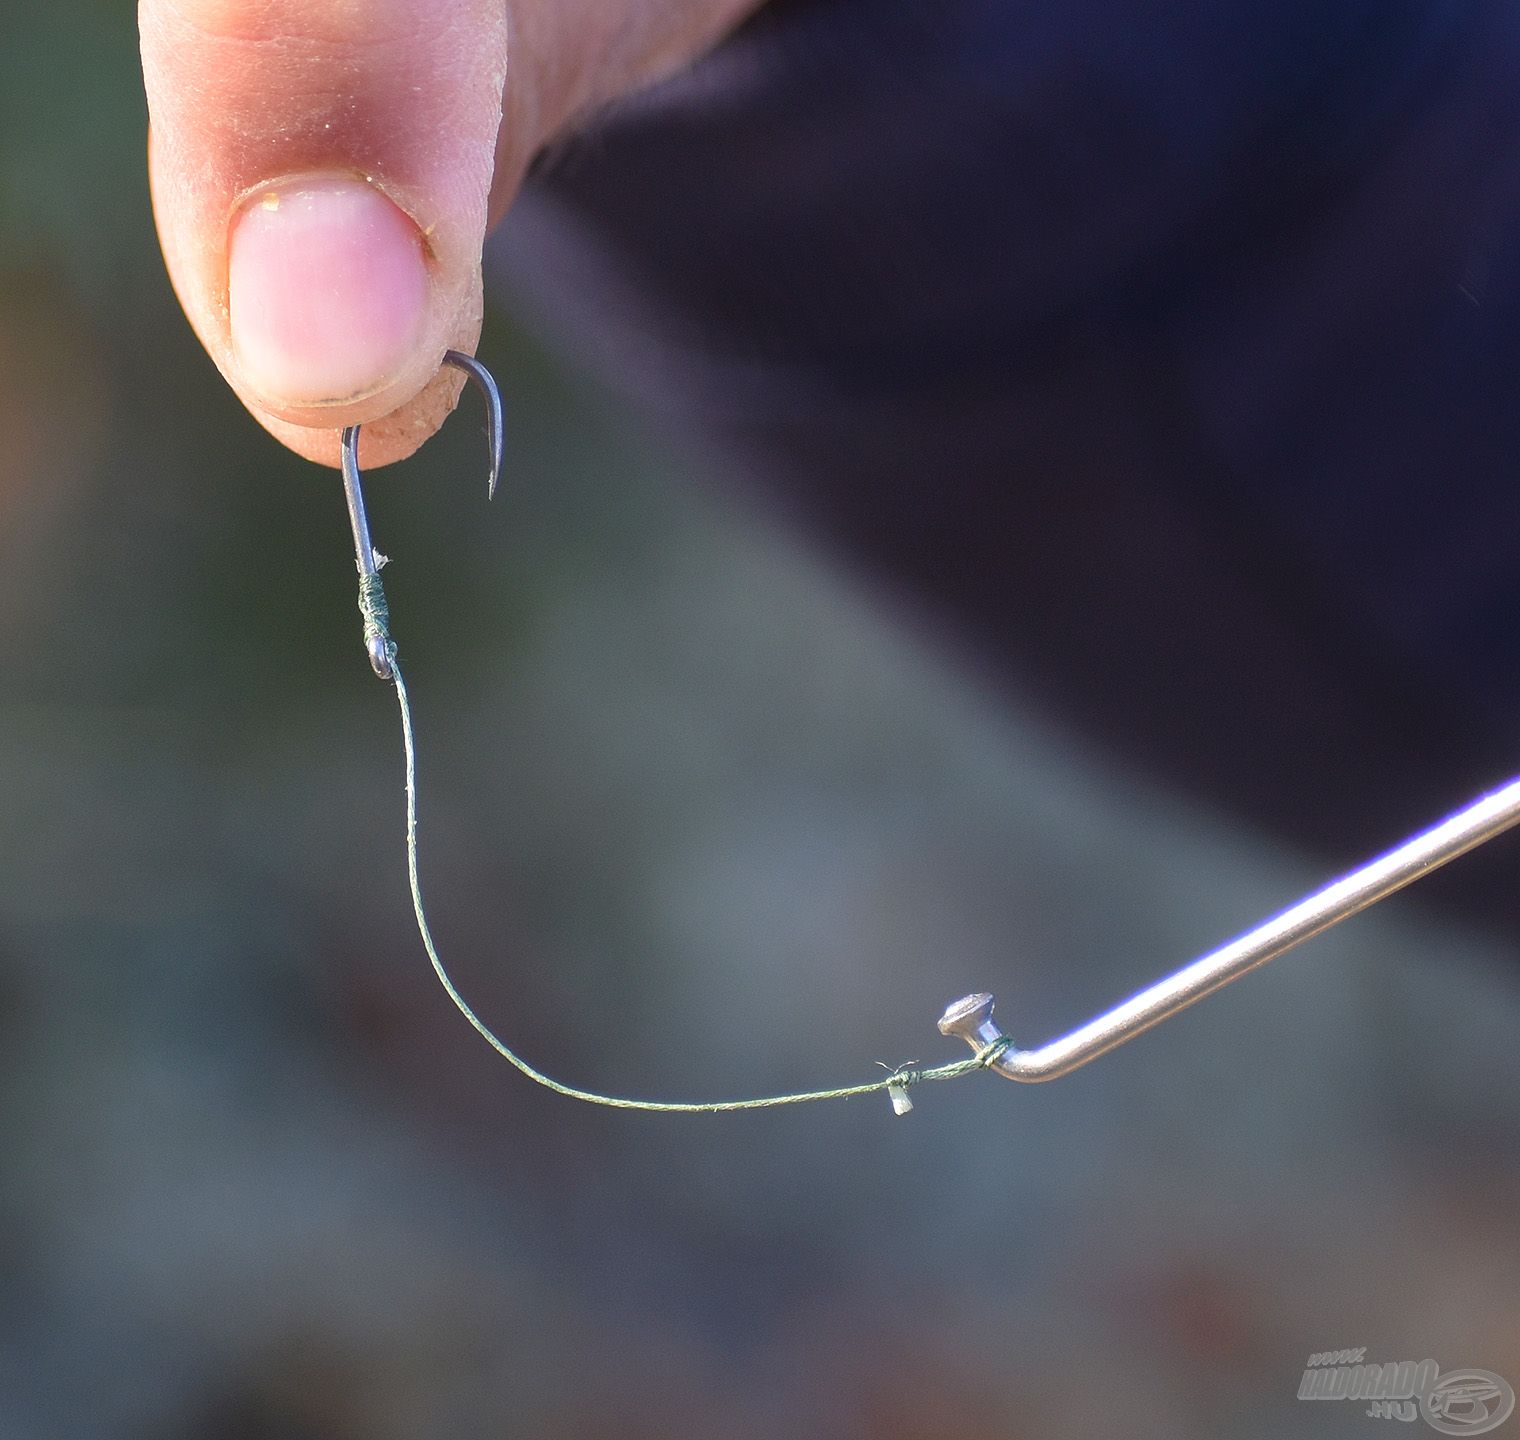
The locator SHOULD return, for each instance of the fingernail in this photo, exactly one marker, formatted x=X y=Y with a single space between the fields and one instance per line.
x=326 y=290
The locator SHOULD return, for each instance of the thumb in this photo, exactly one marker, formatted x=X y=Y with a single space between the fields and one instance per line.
x=320 y=172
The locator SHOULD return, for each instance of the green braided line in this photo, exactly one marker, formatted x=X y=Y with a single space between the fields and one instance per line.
x=375 y=612
x=372 y=606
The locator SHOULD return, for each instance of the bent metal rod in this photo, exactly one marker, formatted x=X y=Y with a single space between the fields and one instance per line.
x=971 y=1017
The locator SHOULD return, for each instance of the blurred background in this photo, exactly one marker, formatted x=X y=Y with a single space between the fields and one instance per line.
x=702 y=815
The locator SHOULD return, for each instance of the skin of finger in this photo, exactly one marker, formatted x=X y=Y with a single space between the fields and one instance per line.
x=407 y=94
x=585 y=54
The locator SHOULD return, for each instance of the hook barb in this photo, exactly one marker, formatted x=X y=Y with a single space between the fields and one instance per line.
x=377 y=641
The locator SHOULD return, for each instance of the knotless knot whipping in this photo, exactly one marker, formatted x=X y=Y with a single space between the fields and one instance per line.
x=374 y=611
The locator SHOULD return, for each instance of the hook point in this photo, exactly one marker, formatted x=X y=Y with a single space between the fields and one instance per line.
x=495 y=427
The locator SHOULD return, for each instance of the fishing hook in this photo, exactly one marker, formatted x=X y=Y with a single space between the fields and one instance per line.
x=377 y=643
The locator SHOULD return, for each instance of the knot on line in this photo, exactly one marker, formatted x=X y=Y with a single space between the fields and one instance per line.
x=989 y=1056
x=375 y=612
x=903 y=1077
